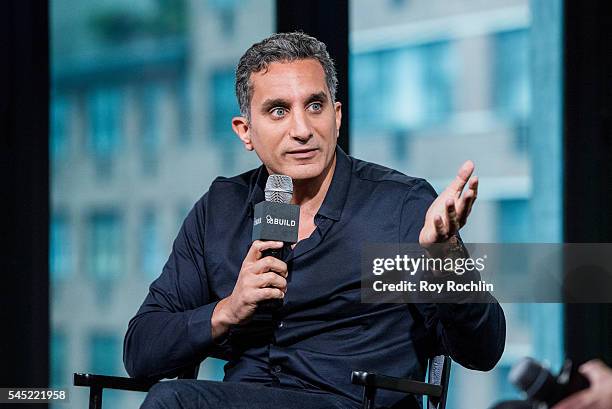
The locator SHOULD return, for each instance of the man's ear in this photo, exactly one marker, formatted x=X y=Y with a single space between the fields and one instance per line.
x=241 y=127
x=338 y=111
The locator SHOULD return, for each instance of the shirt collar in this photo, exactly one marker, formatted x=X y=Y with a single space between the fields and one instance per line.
x=258 y=184
x=336 y=194
x=338 y=189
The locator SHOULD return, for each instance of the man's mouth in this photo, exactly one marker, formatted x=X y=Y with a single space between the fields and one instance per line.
x=305 y=153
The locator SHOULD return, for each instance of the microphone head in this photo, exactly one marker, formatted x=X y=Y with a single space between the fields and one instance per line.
x=279 y=189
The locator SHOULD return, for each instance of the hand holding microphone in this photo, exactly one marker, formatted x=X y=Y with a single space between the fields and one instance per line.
x=262 y=281
x=261 y=278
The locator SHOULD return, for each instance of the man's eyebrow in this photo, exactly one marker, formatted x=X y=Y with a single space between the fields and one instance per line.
x=268 y=104
x=319 y=96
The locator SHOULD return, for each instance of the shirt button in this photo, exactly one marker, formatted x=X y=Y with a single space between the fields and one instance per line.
x=280 y=324
x=276 y=368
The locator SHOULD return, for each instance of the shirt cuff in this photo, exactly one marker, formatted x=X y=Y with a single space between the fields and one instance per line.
x=199 y=327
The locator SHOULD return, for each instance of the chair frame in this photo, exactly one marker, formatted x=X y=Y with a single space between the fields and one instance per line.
x=97 y=384
x=436 y=389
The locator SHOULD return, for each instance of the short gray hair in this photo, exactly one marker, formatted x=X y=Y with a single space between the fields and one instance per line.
x=281 y=47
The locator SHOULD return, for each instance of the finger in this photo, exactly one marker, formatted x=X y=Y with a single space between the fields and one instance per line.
x=259 y=246
x=272 y=280
x=451 y=214
x=270 y=263
x=593 y=369
x=463 y=175
x=466 y=201
x=269 y=293
x=439 y=227
x=429 y=235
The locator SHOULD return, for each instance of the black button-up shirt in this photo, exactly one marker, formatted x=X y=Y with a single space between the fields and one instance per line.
x=323 y=331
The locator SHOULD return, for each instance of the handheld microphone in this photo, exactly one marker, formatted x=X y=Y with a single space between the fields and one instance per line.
x=542 y=389
x=541 y=386
x=275 y=219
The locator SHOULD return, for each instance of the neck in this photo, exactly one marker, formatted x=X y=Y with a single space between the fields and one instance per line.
x=309 y=193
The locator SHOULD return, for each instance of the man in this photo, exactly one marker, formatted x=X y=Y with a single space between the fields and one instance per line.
x=205 y=301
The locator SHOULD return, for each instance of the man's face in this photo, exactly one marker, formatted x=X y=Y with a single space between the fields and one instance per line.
x=294 y=123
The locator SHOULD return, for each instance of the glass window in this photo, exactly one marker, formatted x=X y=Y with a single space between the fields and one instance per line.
x=105 y=354
x=511 y=89
x=105 y=245
x=59 y=359
x=513 y=221
x=419 y=96
x=223 y=102
x=149 y=103
x=511 y=74
x=60 y=247
x=225 y=10
x=105 y=108
x=60 y=127
x=225 y=107
x=150 y=127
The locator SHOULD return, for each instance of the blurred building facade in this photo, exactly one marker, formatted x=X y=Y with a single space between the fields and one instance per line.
x=142 y=97
x=140 y=114
x=434 y=83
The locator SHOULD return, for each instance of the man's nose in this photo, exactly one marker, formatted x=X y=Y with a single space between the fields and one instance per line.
x=300 y=127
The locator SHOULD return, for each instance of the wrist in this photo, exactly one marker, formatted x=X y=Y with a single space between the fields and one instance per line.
x=452 y=248
x=221 y=319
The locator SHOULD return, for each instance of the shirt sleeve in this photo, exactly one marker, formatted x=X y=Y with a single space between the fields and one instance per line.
x=473 y=334
x=172 y=328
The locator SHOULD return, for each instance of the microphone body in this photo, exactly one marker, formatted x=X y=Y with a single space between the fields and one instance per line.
x=275 y=219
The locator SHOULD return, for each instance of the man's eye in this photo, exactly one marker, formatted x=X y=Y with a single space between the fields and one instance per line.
x=316 y=106
x=278 y=112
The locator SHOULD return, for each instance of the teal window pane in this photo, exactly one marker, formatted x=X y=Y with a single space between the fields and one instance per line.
x=105 y=243
x=60 y=252
x=59 y=138
x=150 y=246
x=224 y=107
x=105 y=352
x=150 y=127
x=419 y=95
x=59 y=360
x=105 y=105
x=223 y=103
x=513 y=221
x=511 y=74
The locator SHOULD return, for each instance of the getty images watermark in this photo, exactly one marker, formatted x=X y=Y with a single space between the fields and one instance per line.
x=408 y=273
x=437 y=266
x=515 y=273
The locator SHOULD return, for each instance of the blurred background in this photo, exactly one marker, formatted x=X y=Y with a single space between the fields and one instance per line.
x=142 y=94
